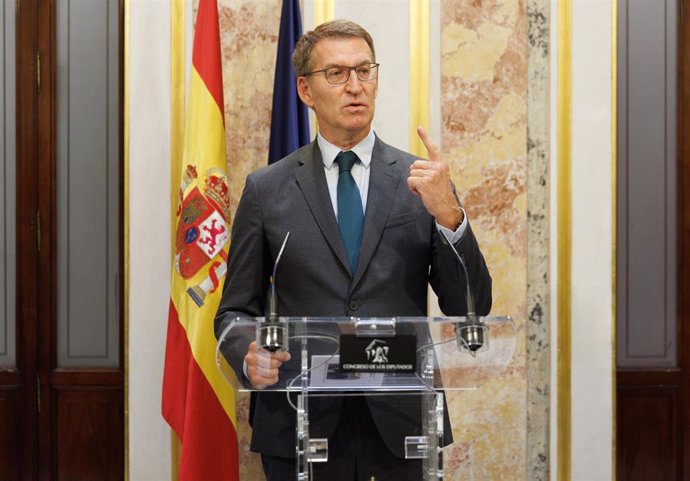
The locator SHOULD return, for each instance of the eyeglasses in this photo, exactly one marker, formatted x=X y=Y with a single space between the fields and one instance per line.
x=340 y=74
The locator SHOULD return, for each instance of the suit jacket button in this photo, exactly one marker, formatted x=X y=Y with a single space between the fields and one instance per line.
x=353 y=305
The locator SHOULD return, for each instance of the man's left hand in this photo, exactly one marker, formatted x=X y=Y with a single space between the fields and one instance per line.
x=430 y=180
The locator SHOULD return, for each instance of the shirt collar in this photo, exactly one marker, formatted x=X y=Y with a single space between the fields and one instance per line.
x=363 y=149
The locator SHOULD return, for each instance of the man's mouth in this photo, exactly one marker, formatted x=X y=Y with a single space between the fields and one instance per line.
x=355 y=106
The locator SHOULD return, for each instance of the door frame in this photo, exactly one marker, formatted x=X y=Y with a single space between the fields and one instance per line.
x=37 y=382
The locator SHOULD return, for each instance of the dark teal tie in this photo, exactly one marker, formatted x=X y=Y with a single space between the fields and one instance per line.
x=350 y=214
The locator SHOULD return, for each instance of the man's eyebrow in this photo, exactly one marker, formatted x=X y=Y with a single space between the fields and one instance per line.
x=363 y=62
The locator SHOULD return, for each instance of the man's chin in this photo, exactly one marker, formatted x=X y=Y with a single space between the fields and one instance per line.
x=359 y=131
x=358 y=124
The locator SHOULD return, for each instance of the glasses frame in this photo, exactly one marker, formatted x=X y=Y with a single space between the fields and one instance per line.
x=372 y=65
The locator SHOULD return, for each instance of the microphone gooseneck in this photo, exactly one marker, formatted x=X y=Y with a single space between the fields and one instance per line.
x=273 y=297
x=271 y=334
x=469 y=335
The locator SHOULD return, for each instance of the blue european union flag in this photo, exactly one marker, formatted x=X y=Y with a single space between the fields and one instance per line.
x=289 y=120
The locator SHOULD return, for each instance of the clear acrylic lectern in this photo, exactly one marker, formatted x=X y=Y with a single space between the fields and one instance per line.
x=416 y=356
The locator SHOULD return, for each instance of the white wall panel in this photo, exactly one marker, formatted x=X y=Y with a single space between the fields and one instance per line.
x=388 y=23
x=592 y=227
x=149 y=234
x=592 y=241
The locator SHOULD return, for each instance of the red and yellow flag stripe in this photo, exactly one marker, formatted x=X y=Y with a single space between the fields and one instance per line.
x=197 y=402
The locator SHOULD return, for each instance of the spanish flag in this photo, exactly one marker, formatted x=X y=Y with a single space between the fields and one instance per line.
x=197 y=402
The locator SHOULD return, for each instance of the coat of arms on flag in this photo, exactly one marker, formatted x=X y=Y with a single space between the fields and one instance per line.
x=202 y=229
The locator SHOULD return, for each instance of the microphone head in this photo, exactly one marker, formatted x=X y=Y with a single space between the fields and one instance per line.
x=470 y=336
x=271 y=337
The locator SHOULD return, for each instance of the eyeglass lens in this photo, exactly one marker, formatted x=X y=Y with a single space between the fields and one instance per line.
x=340 y=74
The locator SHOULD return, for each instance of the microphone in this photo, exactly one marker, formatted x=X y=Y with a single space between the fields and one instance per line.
x=271 y=334
x=469 y=334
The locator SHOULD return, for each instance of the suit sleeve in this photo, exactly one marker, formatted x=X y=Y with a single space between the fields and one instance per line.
x=448 y=279
x=246 y=281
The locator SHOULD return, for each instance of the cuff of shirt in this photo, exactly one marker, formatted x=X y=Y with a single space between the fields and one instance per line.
x=456 y=235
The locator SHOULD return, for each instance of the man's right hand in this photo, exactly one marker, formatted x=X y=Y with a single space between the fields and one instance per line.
x=262 y=366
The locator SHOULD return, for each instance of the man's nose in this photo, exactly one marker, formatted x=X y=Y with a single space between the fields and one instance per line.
x=353 y=84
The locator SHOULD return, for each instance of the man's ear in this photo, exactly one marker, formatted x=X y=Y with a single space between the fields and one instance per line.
x=304 y=92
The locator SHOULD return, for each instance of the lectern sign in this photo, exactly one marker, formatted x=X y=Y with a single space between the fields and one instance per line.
x=372 y=354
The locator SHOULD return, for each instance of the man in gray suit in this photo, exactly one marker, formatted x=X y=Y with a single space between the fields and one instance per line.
x=365 y=241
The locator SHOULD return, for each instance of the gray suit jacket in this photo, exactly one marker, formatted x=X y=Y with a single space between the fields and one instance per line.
x=401 y=253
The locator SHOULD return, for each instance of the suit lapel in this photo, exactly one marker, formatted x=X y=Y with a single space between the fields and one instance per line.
x=384 y=180
x=311 y=179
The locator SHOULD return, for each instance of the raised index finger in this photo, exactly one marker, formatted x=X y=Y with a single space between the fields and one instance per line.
x=434 y=152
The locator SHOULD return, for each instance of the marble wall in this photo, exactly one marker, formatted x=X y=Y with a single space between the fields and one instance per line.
x=484 y=96
x=484 y=123
x=537 y=331
x=249 y=37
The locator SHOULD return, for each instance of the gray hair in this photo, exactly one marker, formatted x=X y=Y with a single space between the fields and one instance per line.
x=301 y=58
